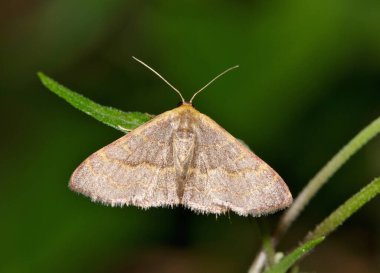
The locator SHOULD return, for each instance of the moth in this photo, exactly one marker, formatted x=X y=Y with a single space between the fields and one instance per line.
x=182 y=157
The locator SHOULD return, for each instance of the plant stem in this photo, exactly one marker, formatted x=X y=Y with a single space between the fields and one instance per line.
x=315 y=184
x=293 y=257
x=267 y=244
x=258 y=262
x=346 y=210
x=324 y=175
x=341 y=214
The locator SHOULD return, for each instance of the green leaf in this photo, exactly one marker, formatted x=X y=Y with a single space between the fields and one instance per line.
x=122 y=121
x=289 y=260
x=346 y=210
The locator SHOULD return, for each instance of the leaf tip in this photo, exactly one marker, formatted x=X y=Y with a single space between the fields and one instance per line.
x=41 y=76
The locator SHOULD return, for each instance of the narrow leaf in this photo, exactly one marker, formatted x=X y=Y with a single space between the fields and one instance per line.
x=123 y=121
x=286 y=262
x=346 y=210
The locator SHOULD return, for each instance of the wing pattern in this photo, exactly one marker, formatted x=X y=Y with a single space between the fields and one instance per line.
x=136 y=169
x=227 y=176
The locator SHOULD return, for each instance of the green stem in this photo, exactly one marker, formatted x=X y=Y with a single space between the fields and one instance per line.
x=314 y=185
x=267 y=243
x=289 y=260
x=341 y=214
x=324 y=175
x=346 y=210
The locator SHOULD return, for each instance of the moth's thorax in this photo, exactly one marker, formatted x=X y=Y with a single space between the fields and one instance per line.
x=184 y=140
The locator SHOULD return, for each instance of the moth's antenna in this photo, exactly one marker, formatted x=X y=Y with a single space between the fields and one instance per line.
x=162 y=78
x=210 y=82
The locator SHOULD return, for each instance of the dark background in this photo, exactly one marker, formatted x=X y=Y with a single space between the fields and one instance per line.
x=309 y=80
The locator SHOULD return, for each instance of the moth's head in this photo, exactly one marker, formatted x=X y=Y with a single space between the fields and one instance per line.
x=181 y=103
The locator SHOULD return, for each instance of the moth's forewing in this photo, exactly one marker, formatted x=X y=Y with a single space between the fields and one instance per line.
x=136 y=169
x=226 y=174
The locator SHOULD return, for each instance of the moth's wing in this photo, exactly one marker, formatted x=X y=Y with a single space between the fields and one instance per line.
x=136 y=169
x=226 y=175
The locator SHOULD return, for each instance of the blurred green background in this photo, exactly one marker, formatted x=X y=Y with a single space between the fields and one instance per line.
x=309 y=80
